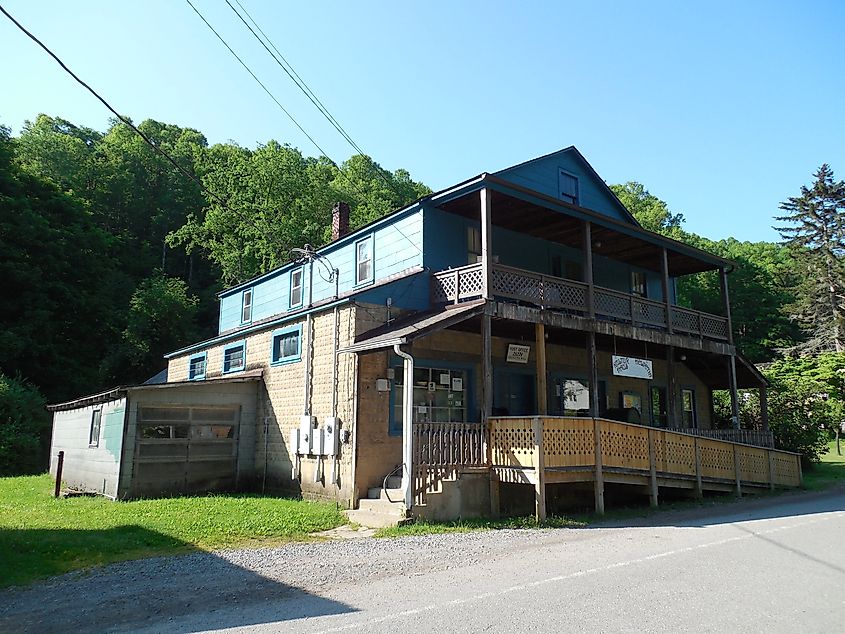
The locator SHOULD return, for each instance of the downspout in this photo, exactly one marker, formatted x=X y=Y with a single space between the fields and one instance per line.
x=407 y=417
x=307 y=397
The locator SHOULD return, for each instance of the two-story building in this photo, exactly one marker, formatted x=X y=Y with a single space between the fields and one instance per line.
x=447 y=355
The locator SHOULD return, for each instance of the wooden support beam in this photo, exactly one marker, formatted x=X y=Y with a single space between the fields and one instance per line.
x=734 y=393
x=587 y=254
x=699 y=489
x=771 y=455
x=599 y=479
x=486 y=243
x=539 y=470
x=737 y=472
x=726 y=302
x=672 y=388
x=486 y=367
x=652 y=466
x=542 y=391
x=664 y=269
x=764 y=408
x=592 y=365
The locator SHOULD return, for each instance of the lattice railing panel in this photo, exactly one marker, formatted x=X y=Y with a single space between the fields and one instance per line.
x=513 y=283
x=470 y=283
x=612 y=304
x=559 y=293
x=676 y=454
x=442 y=288
x=717 y=459
x=753 y=464
x=786 y=469
x=512 y=442
x=568 y=442
x=685 y=320
x=649 y=312
x=624 y=446
x=714 y=327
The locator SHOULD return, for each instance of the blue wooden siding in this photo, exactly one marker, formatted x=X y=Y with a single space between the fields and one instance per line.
x=542 y=175
x=397 y=246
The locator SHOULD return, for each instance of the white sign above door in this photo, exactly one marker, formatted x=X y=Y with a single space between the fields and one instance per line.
x=632 y=367
x=518 y=353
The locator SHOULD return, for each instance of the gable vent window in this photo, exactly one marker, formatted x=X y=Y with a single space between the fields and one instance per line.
x=568 y=186
x=246 y=307
x=296 y=287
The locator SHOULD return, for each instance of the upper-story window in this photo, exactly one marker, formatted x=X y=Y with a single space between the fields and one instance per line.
x=568 y=187
x=286 y=345
x=196 y=367
x=234 y=357
x=364 y=260
x=296 y=287
x=638 y=283
x=246 y=306
x=473 y=245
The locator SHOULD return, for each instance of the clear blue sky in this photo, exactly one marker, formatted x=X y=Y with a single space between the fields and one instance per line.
x=723 y=109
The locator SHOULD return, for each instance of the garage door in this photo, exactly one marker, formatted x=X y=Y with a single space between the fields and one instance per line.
x=182 y=449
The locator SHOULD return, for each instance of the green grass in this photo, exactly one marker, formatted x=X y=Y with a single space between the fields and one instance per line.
x=829 y=472
x=42 y=536
x=469 y=525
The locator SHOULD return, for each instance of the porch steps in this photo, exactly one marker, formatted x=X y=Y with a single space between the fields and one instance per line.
x=378 y=512
x=391 y=495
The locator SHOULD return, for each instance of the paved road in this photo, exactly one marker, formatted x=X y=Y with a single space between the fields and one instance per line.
x=756 y=567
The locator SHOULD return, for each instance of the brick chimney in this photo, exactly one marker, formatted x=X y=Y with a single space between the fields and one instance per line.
x=340 y=220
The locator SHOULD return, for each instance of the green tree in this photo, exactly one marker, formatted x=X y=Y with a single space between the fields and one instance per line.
x=651 y=212
x=24 y=423
x=814 y=230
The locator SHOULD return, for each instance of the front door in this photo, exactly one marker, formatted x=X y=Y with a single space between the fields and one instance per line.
x=514 y=394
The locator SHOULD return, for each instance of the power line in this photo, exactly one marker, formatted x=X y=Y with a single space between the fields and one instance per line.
x=255 y=77
x=286 y=66
x=123 y=119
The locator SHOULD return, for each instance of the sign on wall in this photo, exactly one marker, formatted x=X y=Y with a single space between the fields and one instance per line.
x=632 y=367
x=518 y=353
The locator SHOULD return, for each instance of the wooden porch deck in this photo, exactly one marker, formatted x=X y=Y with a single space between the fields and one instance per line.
x=541 y=450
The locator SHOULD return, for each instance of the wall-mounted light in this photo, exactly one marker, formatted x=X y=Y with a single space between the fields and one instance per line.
x=683 y=357
x=597 y=244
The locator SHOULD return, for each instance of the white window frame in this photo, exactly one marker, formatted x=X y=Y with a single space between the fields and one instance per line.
x=96 y=428
x=368 y=251
x=300 y=272
x=247 y=298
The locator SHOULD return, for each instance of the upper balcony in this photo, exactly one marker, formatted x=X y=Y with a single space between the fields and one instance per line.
x=571 y=296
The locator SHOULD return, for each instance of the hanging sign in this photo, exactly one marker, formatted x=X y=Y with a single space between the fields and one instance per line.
x=632 y=367
x=517 y=353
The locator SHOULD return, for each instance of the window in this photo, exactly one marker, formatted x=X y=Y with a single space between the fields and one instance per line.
x=688 y=404
x=473 y=245
x=364 y=260
x=440 y=396
x=638 y=284
x=287 y=345
x=94 y=434
x=658 y=406
x=296 y=287
x=246 y=306
x=234 y=357
x=568 y=185
x=187 y=423
x=196 y=367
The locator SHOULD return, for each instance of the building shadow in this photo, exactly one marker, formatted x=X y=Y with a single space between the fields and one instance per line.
x=194 y=591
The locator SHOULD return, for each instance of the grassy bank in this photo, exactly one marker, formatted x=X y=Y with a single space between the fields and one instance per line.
x=829 y=472
x=42 y=536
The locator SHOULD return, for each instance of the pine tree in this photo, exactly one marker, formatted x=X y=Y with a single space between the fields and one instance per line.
x=816 y=236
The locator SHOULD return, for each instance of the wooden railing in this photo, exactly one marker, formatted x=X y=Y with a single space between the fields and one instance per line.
x=466 y=282
x=754 y=437
x=528 y=449
x=442 y=450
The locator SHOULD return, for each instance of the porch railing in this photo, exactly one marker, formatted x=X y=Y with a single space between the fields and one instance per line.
x=466 y=282
x=442 y=450
x=754 y=437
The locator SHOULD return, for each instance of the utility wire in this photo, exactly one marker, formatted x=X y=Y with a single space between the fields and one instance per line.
x=286 y=66
x=255 y=77
x=122 y=118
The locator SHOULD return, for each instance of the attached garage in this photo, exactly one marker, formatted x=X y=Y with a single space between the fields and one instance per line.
x=170 y=439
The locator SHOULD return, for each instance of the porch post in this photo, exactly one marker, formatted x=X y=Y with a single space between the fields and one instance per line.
x=486 y=367
x=594 y=374
x=539 y=470
x=734 y=394
x=587 y=254
x=671 y=390
x=486 y=244
x=664 y=269
x=723 y=279
x=764 y=408
x=542 y=393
